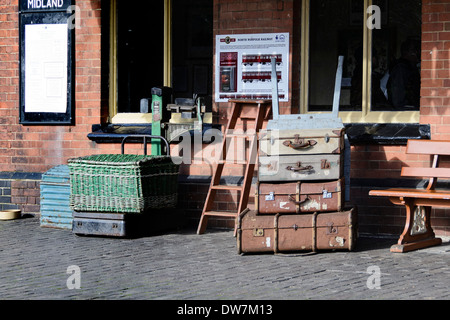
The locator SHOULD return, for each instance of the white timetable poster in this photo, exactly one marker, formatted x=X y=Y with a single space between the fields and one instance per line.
x=46 y=55
x=244 y=69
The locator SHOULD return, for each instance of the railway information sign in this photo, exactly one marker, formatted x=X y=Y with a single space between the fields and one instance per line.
x=46 y=36
x=243 y=66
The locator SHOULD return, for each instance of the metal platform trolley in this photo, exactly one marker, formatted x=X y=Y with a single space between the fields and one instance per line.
x=118 y=194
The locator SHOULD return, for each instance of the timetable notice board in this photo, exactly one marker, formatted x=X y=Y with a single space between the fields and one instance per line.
x=244 y=66
x=46 y=62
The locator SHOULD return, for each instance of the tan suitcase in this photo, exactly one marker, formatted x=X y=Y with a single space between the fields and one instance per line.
x=301 y=168
x=298 y=155
x=301 y=142
x=299 y=197
x=299 y=232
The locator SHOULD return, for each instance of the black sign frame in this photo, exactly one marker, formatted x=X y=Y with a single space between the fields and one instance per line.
x=44 y=5
x=61 y=16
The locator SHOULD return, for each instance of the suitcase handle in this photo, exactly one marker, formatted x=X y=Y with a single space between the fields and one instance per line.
x=145 y=137
x=292 y=198
x=299 y=143
x=299 y=168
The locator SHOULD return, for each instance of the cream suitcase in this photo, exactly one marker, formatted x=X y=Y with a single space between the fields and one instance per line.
x=301 y=142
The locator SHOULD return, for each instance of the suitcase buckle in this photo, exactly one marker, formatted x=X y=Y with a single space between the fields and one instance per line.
x=258 y=232
x=325 y=164
x=331 y=229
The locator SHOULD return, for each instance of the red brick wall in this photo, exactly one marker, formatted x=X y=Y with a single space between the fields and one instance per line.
x=435 y=90
x=386 y=161
x=260 y=16
x=435 y=103
x=9 y=78
x=26 y=195
x=20 y=191
x=38 y=148
x=377 y=215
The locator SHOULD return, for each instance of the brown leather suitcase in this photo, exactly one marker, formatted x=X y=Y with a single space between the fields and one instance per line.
x=300 y=232
x=299 y=197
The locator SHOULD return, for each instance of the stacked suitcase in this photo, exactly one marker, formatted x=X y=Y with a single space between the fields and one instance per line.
x=300 y=194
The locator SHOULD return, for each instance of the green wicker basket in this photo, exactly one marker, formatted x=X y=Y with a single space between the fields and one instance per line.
x=123 y=183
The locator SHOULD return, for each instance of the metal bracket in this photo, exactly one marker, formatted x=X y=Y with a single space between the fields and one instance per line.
x=331 y=229
x=325 y=164
x=258 y=232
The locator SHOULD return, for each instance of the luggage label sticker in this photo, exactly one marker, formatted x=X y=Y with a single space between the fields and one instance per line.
x=283 y=205
x=270 y=197
x=268 y=242
x=327 y=195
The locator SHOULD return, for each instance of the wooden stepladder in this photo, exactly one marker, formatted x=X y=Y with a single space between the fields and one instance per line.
x=256 y=110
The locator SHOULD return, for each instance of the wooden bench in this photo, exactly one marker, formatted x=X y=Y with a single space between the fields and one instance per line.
x=418 y=232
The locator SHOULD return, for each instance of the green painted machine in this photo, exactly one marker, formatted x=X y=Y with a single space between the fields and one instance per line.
x=161 y=96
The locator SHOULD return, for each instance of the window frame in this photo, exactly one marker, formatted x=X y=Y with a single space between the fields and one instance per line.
x=365 y=115
x=124 y=117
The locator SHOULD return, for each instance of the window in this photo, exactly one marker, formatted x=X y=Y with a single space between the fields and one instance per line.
x=157 y=43
x=140 y=51
x=381 y=72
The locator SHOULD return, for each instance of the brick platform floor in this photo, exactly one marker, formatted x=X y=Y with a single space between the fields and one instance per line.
x=181 y=265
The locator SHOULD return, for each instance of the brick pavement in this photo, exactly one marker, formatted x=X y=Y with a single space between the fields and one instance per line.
x=185 y=266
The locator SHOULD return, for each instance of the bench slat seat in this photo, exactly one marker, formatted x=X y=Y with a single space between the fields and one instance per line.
x=426 y=172
x=418 y=232
x=430 y=147
x=412 y=193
